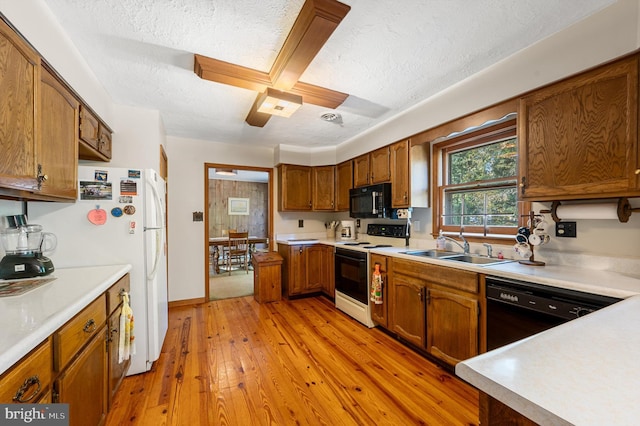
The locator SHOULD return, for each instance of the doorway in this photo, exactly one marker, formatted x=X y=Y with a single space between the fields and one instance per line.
x=237 y=198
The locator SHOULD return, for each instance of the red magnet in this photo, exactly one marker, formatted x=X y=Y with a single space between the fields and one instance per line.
x=97 y=216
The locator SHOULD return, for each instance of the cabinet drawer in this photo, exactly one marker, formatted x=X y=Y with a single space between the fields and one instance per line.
x=32 y=375
x=113 y=294
x=77 y=332
x=449 y=277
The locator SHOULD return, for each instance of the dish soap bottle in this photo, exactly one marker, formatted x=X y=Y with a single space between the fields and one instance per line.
x=440 y=242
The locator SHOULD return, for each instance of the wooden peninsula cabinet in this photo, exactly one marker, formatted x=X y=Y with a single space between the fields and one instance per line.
x=578 y=138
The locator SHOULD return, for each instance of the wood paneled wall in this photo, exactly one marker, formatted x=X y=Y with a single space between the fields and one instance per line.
x=220 y=220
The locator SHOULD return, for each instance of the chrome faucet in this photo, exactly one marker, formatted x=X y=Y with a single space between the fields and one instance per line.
x=489 y=249
x=465 y=247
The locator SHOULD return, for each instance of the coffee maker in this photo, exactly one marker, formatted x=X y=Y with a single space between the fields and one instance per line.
x=348 y=230
x=24 y=245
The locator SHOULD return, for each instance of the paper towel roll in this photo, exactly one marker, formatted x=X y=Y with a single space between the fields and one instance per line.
x=588 y=211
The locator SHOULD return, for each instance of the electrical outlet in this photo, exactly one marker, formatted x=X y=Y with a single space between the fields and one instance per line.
x=416 y=226
x=300 y=223
x=566 y=229
x=357 y=223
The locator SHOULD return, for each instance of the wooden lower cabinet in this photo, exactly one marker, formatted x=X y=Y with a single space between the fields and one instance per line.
x=494 y=412
x=328 y=271
x=408 y=308
x=77 y=365
x=117 y=370
x=306 y=269
x=83 y=385
x=452 y=325
x=379 y=311
x=29 y=380
x=435 y=308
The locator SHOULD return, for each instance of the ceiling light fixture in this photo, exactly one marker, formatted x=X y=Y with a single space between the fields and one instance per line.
x=276 y=102
x=226 y=172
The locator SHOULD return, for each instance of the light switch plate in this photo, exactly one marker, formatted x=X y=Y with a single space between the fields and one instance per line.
x=566 y=229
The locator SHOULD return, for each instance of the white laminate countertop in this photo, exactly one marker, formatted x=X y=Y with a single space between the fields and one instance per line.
x=584 y=372
x=28 y=319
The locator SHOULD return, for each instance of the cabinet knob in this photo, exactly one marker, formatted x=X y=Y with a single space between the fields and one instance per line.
x=28 y=383
x=41 y=177
x=638 y=171
x=90 y=326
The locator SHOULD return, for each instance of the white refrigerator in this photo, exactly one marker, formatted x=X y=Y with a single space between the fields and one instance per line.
x=131 y=203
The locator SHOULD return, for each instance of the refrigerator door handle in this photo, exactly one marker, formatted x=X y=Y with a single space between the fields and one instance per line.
x=159 y=235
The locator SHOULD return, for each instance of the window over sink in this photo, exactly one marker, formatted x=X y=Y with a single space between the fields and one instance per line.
x=477 y=181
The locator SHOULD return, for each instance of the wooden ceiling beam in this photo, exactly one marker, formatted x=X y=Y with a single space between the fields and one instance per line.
x=317 y=20
x=311 y=30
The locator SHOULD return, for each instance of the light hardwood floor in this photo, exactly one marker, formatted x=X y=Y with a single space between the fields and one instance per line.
x=237 y=362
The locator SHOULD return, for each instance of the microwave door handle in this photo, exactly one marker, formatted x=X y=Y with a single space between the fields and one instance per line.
x=374 y=210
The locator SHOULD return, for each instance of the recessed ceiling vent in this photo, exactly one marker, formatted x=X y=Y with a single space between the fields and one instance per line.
x=332 y=117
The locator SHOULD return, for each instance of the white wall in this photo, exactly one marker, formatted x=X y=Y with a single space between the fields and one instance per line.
x=186 y=195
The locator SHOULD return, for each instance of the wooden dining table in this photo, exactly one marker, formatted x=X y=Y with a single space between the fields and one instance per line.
x=216 y=242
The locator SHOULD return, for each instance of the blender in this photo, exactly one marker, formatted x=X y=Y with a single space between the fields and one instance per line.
x=24 y=245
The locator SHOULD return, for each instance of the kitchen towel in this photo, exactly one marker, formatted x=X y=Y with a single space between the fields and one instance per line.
x=126 y=344
x=376 y=285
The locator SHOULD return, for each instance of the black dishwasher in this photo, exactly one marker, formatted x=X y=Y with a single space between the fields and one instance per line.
x=519 y=309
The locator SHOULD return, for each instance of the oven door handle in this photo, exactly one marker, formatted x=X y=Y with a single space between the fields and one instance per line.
x=350 y=258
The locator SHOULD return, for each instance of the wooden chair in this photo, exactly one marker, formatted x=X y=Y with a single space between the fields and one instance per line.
x=238 y=250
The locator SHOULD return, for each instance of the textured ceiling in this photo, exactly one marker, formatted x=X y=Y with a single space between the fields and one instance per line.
x=388 y=55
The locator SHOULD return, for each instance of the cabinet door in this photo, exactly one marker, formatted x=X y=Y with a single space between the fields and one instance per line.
x=379 y=167
x=58 y=148
x=379 y=311
x=19 y=76
x=344 y=182
x=83 y=384
x=294 y=187
x=297 y=271
x=328 y=268
x=104 y=141
x=323 y=184
x=361 y=171
x=452 y=326
x=315 y=268
x=117 y=370
x=89 y=128
x=408 y=308
x=578 y=138
x=400 y=188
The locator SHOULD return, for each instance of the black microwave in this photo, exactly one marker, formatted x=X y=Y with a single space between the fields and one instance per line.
x=372 y=201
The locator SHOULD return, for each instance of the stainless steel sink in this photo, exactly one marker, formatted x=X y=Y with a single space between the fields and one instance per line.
x=476 y=260
x=430 y=253
x=457 y=257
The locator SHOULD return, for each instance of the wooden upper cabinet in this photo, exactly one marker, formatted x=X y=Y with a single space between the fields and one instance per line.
x=58 y=148
x=19 y=77
x=361 y=171
x=400 y=183
x=323 y=187
x=379 y=166
x=95 y=137
x=372 y=168
x=578 y=137
x=294 y=188
x=344 y=182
